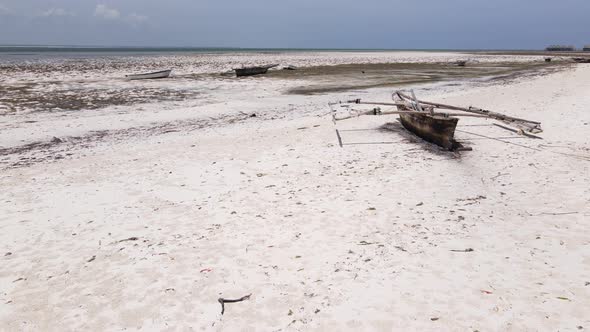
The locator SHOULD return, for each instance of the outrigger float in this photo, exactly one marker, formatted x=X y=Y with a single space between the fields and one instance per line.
x=420 y=118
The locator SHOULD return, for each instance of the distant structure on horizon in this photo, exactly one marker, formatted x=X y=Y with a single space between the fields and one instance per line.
x=560 y=48
x=586 y=48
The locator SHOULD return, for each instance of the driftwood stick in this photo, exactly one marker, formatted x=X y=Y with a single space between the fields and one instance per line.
x=520 y=132
x=224 y=301
x=555 y=213
x=358 y=101
x=339 y=138
x=463 y=250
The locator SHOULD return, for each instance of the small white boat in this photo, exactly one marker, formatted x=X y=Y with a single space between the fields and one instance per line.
x=157 y=74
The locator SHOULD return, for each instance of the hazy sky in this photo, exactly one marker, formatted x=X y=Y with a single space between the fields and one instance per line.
x=496 y=24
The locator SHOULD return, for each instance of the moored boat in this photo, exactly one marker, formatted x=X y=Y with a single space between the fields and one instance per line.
x=437 y=128
x=146 y=76
x=251 y=71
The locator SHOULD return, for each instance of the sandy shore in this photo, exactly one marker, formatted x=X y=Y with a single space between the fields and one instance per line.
x=144 y=231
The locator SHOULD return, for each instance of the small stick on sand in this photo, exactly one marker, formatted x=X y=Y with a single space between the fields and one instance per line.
x=224 y=301
x=133 y=238
x=463 y=250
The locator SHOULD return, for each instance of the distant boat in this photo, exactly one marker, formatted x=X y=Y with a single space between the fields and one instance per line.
x=250 y=71
x=560 y=48
x=154 y=75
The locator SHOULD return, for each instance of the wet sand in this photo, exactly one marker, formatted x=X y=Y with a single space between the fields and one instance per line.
x=348 y=77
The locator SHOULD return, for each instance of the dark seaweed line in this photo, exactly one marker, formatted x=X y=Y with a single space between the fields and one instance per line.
x=58 y=148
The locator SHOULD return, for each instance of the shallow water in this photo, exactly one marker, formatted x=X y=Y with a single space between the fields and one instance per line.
x=66 y=82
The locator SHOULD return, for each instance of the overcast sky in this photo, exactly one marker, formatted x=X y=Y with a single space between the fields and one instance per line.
x=450 y=24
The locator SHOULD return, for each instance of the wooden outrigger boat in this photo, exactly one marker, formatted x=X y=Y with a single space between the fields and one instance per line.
x=419 y=117
x=437 y=129
x=256 y=70
x=154 y=75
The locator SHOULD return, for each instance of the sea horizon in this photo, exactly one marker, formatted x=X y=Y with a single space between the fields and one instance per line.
x=9 y=48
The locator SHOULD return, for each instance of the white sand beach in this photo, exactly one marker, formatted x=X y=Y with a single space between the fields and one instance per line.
x=140 y=220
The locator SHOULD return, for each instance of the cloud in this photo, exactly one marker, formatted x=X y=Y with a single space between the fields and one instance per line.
x=136 y=19
x=106 y=12
x=56 y=12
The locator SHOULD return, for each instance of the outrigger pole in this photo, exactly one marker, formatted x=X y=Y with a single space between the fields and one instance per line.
x=411 y=105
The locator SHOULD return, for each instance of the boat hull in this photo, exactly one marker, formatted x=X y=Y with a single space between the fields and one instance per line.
x=250 y=71
x=436 y=129
x=148 y=76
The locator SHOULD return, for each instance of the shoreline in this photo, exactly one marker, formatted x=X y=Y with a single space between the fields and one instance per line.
x=61 y=144
x=49 y=90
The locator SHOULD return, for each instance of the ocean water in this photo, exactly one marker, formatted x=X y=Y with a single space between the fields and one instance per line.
x=118 y=49
x=36 y=52
x=32 y=52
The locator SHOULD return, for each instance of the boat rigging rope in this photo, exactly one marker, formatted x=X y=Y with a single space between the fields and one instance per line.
x=579 y=157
